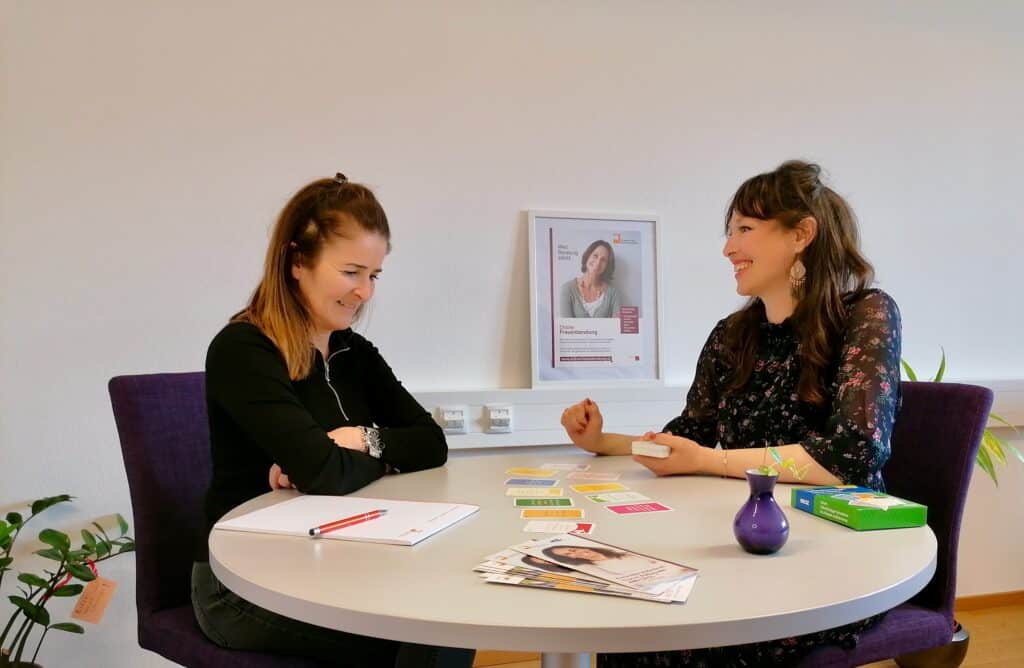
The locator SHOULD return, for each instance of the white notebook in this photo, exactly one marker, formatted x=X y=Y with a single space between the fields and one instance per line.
x=406 y=522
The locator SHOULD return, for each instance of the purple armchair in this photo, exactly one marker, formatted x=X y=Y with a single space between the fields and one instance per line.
x=934 y=442
x=165 y=441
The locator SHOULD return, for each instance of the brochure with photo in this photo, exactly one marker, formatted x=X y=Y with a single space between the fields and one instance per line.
x=608 y=562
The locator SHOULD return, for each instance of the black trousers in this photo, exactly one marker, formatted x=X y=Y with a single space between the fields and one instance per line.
x=234 y=623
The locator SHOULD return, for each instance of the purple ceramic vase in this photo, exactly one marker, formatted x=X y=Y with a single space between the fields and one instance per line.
x=760 y=525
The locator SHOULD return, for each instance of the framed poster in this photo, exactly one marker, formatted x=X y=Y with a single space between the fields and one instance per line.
x=595 y=298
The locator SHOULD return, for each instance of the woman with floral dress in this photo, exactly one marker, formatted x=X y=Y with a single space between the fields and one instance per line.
x=810 y=365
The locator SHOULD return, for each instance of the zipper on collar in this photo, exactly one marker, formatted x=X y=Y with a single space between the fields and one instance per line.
x=327 y=378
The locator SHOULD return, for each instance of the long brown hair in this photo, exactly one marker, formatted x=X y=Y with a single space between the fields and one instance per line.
x=318 y=210
x=835 y=266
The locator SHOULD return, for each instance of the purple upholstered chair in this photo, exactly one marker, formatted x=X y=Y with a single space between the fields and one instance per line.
x=161 y=420
x=935 y=439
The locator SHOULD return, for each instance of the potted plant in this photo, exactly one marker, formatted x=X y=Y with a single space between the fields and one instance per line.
x=36 y=590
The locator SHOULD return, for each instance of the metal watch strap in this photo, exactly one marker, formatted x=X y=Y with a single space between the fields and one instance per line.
x=372 y=443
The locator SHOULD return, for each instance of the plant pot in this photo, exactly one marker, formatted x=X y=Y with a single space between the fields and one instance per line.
x=949 y=655
x=760 y=525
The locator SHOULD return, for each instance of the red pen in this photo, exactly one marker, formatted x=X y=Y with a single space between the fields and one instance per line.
x=347 y=522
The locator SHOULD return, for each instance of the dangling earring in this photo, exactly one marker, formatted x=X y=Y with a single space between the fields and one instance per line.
x=797 y=274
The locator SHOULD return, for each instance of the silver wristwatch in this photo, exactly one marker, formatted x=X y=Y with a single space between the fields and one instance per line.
x=372 y=444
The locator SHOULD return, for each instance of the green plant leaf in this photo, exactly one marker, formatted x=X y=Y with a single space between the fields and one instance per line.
x=102 y=548
x=50 y=553
x=1004 y=422
x=88 y=539
x=129 y=545
x=70 y=627
x=5 y=562
x=32 y=580
x=942 y=367
x=35 y=613
x=122 y=524
x=39 y=505
x=68 y=590
x=908 y=370
x=15 y=518
x=81 y=572
x=6 y=530
x=994 y=446
x=78 y=556
x=57 y=539
x=985 y=462
x=1017 y=453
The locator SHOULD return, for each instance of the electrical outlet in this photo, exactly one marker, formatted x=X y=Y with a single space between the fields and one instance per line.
x=453 y=419
x=498 y=418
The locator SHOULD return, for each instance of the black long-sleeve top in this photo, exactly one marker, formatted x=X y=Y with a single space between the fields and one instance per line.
x=258 y=417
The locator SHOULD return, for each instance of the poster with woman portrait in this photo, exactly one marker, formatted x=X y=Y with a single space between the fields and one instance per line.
x=594 y=301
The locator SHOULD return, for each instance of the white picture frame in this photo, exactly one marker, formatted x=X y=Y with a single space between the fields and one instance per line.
x=575 y=343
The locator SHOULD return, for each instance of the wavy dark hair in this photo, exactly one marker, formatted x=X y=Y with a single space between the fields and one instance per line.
x=835 y=267
x=609 y=270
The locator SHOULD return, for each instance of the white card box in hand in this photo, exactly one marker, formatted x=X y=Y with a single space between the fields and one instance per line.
x=406 y=522
x=648 y=449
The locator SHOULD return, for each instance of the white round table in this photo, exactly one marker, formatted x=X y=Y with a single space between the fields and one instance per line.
x=826 y=575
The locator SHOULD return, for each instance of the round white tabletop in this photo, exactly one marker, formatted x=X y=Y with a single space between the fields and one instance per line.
x=825 y=576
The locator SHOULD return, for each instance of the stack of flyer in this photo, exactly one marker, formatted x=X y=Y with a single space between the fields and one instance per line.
x=571 y=562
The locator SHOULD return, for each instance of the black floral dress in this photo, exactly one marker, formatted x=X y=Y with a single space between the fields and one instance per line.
x=849 y=436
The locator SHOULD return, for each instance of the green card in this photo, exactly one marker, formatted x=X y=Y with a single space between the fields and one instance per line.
x=543 y=503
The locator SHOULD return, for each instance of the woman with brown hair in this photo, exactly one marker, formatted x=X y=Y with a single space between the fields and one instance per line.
x=592 y=294
x=809 y=365
x=297 y=399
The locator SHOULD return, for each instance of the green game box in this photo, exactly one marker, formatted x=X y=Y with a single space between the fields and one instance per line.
x=858 y=507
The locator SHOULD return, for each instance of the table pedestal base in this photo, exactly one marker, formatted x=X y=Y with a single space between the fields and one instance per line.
x=554 y=660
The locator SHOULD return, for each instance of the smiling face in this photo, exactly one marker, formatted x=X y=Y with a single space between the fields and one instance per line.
x=761 y=253
x=597 y=262
x=341 y=279
x=579 y=553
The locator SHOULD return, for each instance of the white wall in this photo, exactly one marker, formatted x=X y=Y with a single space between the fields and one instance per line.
x=145 y=148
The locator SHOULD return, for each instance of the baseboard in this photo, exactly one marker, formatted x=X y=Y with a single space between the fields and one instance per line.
x=490 y=657
x=989 y=600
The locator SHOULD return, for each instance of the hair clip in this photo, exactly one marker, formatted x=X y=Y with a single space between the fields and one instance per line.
x=340 y=178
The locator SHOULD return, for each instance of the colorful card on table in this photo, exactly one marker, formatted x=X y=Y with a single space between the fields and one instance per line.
x=637 y=508
x=531 y=482
x=617 y=497
x=533 y=491
x=555 y=502
x=551 y=514
x=543 y=526
x=593 y=475
x=533 y=473
x=565 y=467
x=600 y=487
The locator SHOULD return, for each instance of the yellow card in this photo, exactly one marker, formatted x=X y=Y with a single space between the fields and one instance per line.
x=533 y=491
x=599 y=487
x=552 y=514
x=533 y=473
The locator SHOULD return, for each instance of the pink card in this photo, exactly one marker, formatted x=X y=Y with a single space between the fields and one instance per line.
x=634 y=508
